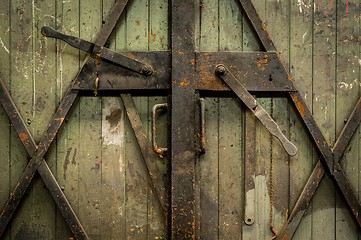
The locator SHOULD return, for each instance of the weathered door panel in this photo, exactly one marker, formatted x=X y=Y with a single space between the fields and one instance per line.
x=96 y=159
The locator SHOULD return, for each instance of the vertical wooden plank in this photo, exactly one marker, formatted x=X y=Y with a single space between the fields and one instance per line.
x=231 y=181
x=136 y=177
x=301 y=63
x=4 y=121
x=324 y=110
x=209 y=163
x=90 y=159
x=44 y=80
x=261 y=228
x=347 y=94
x=251 y=43
x=68 y=137
x=113 y=168
x=278 y=25
x=22 y=92
x=209 y=173
x=158 y=40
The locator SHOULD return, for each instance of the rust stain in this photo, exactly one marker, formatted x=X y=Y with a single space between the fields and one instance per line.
x=59 y=119
x=263 y=26
x=192 y=61
x=260 y=62
x=183 y=83
x=284 y=236
x=137 y=22
x=23 y=136
x=154 y=36
x=180 y=52
x=300 y=107
x=130 y=55
x=148 y=36
x=289 y=77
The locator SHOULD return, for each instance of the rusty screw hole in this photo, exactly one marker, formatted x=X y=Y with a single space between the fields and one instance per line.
x=147 y=70
x=220 y=69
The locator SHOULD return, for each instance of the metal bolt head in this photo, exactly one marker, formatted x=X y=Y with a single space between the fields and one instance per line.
x=147 y=70
x=221 y=69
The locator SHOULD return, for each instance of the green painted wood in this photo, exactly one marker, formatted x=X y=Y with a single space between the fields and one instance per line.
x=251 y=43
x=209 y=162
x=68 y=138
x=136 y=178
x=230 y=128
x=113 y=164
x=263 y=156
x=158 y=40
x=278 y=24
x=109 y=186
x=324 y=81
x=44 y=105
x=347 y=95
x=5 y=127
x=300 y=63
x=21 y=88
x=90 y=134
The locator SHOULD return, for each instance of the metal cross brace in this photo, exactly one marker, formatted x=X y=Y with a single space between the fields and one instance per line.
x=37 y=152
x=330 y=156
x=149 y=71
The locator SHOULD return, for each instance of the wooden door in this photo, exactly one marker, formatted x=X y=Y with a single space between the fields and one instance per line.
x=95 y=157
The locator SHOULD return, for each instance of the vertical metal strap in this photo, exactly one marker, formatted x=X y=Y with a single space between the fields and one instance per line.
x=182 y=148
x=250 y=168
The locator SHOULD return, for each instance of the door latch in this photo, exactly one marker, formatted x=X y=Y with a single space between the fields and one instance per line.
x=251 y=103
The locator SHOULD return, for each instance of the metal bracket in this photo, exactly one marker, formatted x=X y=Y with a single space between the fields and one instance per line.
x=256 y=108
x=198 y=68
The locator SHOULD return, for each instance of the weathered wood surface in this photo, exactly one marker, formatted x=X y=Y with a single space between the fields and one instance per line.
x=95 y=157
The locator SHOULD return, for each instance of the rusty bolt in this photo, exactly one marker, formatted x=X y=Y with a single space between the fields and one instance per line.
x=147 y=70
x=221 y=69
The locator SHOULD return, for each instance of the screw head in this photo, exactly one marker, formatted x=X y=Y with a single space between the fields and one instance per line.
x=147 y=70
x=221 y=69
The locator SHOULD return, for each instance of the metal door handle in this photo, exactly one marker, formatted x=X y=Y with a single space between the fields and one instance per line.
x=158 y=150
x=202 y=140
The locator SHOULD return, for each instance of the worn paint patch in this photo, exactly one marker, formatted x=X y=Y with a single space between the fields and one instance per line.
x=114 y=118
x=113 y=123
x=263 y=205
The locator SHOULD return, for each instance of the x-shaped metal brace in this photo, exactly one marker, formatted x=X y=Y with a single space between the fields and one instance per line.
x=37 y=152
x=330 y=156
x=145 y=74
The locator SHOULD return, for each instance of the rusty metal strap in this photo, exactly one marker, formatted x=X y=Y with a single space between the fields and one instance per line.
x=318 y=172
x=37 y=152
x=145 y=149
x=27 y=176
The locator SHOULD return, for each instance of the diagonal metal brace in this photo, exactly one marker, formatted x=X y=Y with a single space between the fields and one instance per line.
x=318 y=172
x=39 y=151
x=100 y=51
x=257 y=109
x=156 y=179
x=44 y=171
